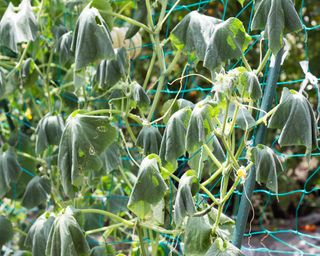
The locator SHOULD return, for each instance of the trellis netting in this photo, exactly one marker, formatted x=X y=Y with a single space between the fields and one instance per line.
x=263 y=229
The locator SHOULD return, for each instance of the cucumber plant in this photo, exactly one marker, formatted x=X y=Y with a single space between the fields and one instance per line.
x=85 y=113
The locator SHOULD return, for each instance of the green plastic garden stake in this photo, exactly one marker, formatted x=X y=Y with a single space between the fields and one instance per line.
x=266 y=105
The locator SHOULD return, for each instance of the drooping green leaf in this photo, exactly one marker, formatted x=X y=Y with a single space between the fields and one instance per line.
x=109 y=72
x=139 y=96
x=140 y=14
x=149 y=139
x=111 y=158
x=66 y=237
x=91 y=39
x=248 y=86
x=201 y=125
x=9 y=169
x=197 y=238
x=177 y=105
x=173 y=144
x=29 y=74
x=268 y=166
x=49 y=131
x=83 y=140
x=37 y=192
x=6 y=230
x=149 y=189
x=38 y=234
x=296 y=119
x=184 y=205
x=228 y=41
x=103 y=7
x=18 y=27
x=64 y=47
x=276 y=18
x=222 y=247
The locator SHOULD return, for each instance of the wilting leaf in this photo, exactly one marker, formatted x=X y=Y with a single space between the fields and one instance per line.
x=6 y=230
x=104 y=6
x=91 y=40
x=193 y=32
x=49 y=131
x=268 y=166
x=201 y=125
x=197 y=236
x=139 y=96
x=38 y=234
x=149 y=139
x=184 y=205
x=296 y=119
x=140 y=14
x=29 y=74
x=149 y=189
x=83 y=140
x=109 y=72
x=66 y=237
x=177 y=105
x=37 y=192
x=111 y=157
x=221 y=247
x=173 y=143
x=276 y=18
x=9 y=169
x=18 y=27
x=64 y=47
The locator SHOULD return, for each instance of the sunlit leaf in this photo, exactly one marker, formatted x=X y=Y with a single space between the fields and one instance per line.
x=37 y=192
x=84 y=138
x=103 y=7
x=276 y=18
x=268 y=166
x=149 y=188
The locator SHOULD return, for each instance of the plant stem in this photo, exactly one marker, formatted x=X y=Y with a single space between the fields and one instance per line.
x=213 y=177
x=150 y=68
x=26 y=155
x=103 y=229
x=160 y=24
x=114 y=111
x=225 y=118
x=142 y=248
x=20 y=231
x=263 y=62
x=125 y=177
x=213 y=158
x=246 y=64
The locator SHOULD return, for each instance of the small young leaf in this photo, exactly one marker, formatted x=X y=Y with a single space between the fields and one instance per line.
x=91 y=39
x=184 y=205
x=296 y=119
x=66 y=237
x=173 y=143
x=276 y=18
x=38 y=235
x=149 y=189
x=18 y=27
x=197 y=238
x=9 y=170
x=49 y=131
x=6 y=230
x=83 y=140
x=149 y=139
x=109 y=72
x=37 y=192
x=268 y=166
x=248 y=86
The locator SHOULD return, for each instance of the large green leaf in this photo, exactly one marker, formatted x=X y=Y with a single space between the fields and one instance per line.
x=149 y=139
x=9 y=169
x=221 y=247
x=149 y=189
x=184 y=205
x=296 y=119
x=18 y=27
x=173 y=144
x=177 y=105
x=197 y=238
x=83 y=140
x=268 y=166
x=109 y=72
x=140 y=14
x=201 y=125
x=49 y=131
x=66 y=238
x=38 y=234
x=37 y=192
x=228 y=41
x=6 y=230
x=91 y=39
x=276 y=18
